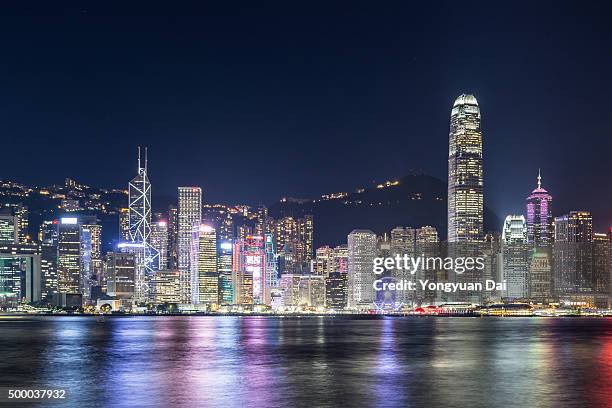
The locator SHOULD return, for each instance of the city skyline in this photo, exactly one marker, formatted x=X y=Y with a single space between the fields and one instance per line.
x=238 y=111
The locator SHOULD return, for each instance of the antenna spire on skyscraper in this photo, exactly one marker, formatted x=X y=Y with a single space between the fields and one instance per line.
x=539 y=179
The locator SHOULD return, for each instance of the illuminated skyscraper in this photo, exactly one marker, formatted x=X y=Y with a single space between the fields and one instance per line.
x=172 y=237
x=573 y=254
x=146 y=258
x=91 y=254
x=205 y=276
x=224 y=266
x=362 y=249
x=465 y=173
x=249 y=270
x=68 y=255
x=515 y=257
x=189 y=216
x=119 y=270
x=159 y=241
x=539 y=217
x=124 y=224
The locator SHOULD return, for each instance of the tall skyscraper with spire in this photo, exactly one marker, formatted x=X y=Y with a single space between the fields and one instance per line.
x=465 y=174
x=539 y=217
x=146 y=256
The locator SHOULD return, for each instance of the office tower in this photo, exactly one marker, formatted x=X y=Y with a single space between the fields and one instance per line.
x=427 y=244
x=21 y=220
x=289 y=285
x=172 y=238
x=362 y=249
x=515 y=257
x=539 y=217
x=271 y=270
x=572 y=252
x=91 y=254
x=146 y=257
x=324 y=262
x=336 y=290
x=224 y=266
x=293 y=239
x=402 y=242
x=341 y=258
x=87 y=279
x=205 y=276
x=601 y=269
x=249 y=271
x=119 y=272
x=159 y=241
x=189 y=215
x=305 y=229
x=8 y=229
x=540 y=279
x=48 y=266
x=165 y=286
x=312 y=291
x=69 y=255
x=20 y=273
x=465 y=173
x=124 y=224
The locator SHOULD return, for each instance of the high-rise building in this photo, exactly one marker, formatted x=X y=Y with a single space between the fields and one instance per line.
x=91 y=254
x=515 y=257
x=119 y=272
x=540 y=229
x=573 y=256
x=20 y=273
x=312 y=291
x=172 y=237
x=189 y=216
x=146 y=257
x=21 y=220
x=205 y=275
x=465 y=172
x=69 y=255
x=159 y=241
x=224 y=266
x=336 y=290
x=165 y=286
x=249 y=271
x=362 y=249
x=124 y=224
x=601 y=269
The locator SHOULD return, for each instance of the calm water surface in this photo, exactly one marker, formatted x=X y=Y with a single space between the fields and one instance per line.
x=312 y=362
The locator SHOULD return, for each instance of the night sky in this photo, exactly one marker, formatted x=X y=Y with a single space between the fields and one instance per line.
x=256 y=102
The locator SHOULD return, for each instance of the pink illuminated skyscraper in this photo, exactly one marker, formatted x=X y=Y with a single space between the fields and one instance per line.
x=539 y=217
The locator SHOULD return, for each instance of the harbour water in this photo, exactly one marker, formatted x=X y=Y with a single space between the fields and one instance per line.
x=311 y=361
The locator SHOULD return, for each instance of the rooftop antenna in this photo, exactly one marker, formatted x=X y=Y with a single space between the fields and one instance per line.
x=539 y=179
x=138 y=157
x=145 y=166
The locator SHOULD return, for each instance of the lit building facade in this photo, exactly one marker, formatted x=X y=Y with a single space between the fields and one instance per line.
x=465 y=172
x=515 y=257
x=224 y=266
x=189 y=215
x=573 y=257
x=205 y=276
x=362 y=249
x=540 y=229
